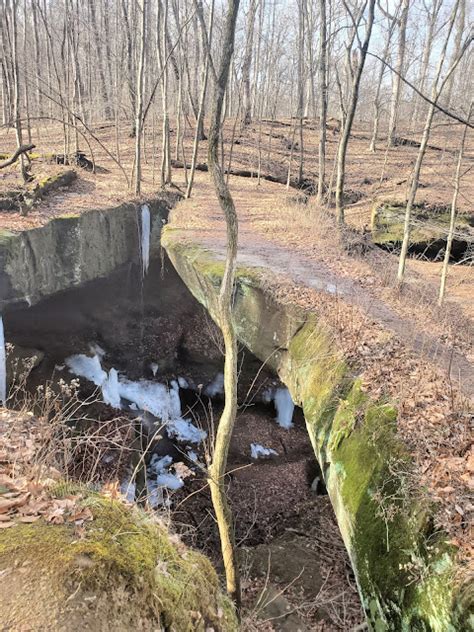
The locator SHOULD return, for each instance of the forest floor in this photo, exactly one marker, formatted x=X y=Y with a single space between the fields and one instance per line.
x=401 y=343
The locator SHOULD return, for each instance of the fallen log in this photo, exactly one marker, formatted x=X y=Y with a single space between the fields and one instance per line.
x=307 y=184
x=20 y=150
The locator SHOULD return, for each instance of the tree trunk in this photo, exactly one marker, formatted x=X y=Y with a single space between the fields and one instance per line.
x=217 y=468
x=323 y=99
x=435 y=94
x=346 y=131
x=452 y=223
x=247 y=64
x=200 y=117
x=426 y=57
x=301 y=83
x=16 y=86
x=461 y=21
x=139 y=93
x=100 y=62
x=395 y=105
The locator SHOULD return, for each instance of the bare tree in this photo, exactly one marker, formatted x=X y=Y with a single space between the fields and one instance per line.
x=217 y=468
x=139 y=99
x=354 y=96
x=438 y=85
x=397 y=84
x=323 y=98
x=200 y=117
x=247 y=64
x=452 y=221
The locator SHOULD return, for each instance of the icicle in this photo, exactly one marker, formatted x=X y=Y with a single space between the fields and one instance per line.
x=3 y=365
x=145 y=241
x=284 y=407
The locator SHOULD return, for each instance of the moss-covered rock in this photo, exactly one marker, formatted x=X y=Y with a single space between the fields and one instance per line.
x=123 y=572
x=429 y=228
x=404 y=571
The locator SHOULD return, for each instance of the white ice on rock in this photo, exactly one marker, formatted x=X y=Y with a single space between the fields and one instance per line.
x=145 y=238
x=3 y=365
x=111 y=389
x=283 y=404
x=159 y=478
x=96 y=349
x=257 y=451
x=153 y=397
x=183 y=430
x=88 y=367
x=159 y=400
x=216 y=387
x=284 y=407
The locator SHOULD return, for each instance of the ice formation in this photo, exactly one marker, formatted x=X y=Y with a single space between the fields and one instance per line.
x=111 y=389
x=216 y=387
x=283 y=404
x=284 y=407
x=159 y=478
x=88 y=367
x=145 y=238
x=257 y=451
x=157 y=399
x=183 y=430
x=3 y=365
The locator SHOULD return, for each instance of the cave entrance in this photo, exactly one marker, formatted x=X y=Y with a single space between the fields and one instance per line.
x=144 y=349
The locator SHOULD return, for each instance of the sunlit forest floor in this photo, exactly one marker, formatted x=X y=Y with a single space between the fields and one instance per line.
x=401 y=343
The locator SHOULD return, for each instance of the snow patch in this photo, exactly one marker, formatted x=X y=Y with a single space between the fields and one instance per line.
x=160 y=478
x=145 y=238
x=257 y=451
x=111 y=389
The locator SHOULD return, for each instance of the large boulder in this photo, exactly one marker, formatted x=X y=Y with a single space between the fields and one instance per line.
x=120 y=571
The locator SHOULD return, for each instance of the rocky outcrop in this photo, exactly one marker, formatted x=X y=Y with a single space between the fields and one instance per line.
x=429 y=228
x=404 y=569
x=119 y=571
x=73 y=249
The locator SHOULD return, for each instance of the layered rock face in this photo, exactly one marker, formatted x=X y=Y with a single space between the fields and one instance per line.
x=404 y=569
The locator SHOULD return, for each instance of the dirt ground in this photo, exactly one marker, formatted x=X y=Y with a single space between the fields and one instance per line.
x=296 y=573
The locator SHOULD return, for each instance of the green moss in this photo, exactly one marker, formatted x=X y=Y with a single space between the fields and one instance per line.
x=388 y=219
x=124 y=547
x=6 y=236
x=347 y=415
x=383 y=518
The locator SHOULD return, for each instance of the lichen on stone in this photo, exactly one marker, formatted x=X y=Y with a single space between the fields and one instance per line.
x=123 y=571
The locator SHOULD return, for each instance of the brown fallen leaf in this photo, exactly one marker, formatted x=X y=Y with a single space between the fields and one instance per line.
x=81 y=515
x=9 y=503
x=28 y=519
x=4 y=517
x=9 y=483
x=6 y=525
